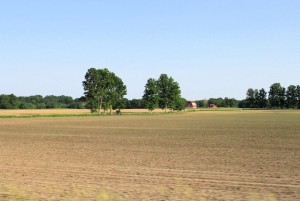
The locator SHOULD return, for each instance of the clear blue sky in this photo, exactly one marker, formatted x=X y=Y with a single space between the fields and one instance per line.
x=211 y=48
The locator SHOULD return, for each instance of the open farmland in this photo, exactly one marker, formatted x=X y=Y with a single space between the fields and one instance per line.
x=212 y=155
x=58 y=112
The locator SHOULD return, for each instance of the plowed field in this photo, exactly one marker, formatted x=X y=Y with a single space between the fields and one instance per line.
x=217 y=155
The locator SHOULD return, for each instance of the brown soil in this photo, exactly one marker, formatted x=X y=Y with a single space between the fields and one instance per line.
x=185 y=156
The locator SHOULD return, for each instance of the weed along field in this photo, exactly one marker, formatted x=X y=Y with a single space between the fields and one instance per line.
x=201 y=155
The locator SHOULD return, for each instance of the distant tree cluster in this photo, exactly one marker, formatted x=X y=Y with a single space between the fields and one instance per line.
x=38 y=102
x=51 y=102
x=278 y=97
x=134 y=104
x=163 y=93
x=220 y=102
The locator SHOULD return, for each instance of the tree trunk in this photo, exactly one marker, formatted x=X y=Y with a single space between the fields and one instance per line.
x=110 y=109
x=100 y=107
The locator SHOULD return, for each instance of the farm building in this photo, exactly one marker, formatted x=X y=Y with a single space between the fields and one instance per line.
x=213 y=106
x=190 y=104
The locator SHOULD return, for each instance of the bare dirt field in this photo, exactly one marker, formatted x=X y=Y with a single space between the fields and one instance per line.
x=221 y=155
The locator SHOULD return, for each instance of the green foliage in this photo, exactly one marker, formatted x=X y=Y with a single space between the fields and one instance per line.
x=117 y=92
x=250 y=99
x=275 y=95
x=150 y=96
x=260 y=99
x=169 y=92
x=282 y=95
x=220 y=102
x=216 y=101
x=291 y=97
x=134 y=103
x=255 y=99
x=102 y=89
x=164 y=93
x=242 y=104
x=278 y=98
x=95 y=87
x=38 y=102
x=179 y=104
x=9 y=102
x=27 y=106
x=202 y=103
x=76 y=104
x=118 y=105
x=230 y=102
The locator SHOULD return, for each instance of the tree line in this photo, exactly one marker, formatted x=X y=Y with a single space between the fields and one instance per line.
x=278 y=97
x=39 y=102
x=220 y=102
x=104 y=91
x=56 y=102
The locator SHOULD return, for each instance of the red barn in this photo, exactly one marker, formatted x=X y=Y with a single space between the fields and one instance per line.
x=190 y=104
x=213 y=106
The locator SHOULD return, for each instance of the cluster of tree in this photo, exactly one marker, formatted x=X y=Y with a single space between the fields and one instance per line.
x=38 y=102
x=103 y=90
x=134 y=104
x=51 y=102
x=163 y=93
x=277 y=97
x=220 y=102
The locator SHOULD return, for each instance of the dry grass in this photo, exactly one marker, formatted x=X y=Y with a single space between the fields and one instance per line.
x=42 y=112
x=30 y=112
x=238 y=155
x=34 y=112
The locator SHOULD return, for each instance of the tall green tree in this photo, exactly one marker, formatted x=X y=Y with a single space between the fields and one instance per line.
x=102 y=89
x=260 y=98
x=262 y=101
x=256 y=99
x=250 y=99
x=275 y=95
x=95 y=88
x=291 y=97
x=282 y=98
x=150 y=96
x=169 y=92
x=117 y=91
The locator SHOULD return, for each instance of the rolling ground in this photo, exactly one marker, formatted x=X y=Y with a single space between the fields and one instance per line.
x=205 y=155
